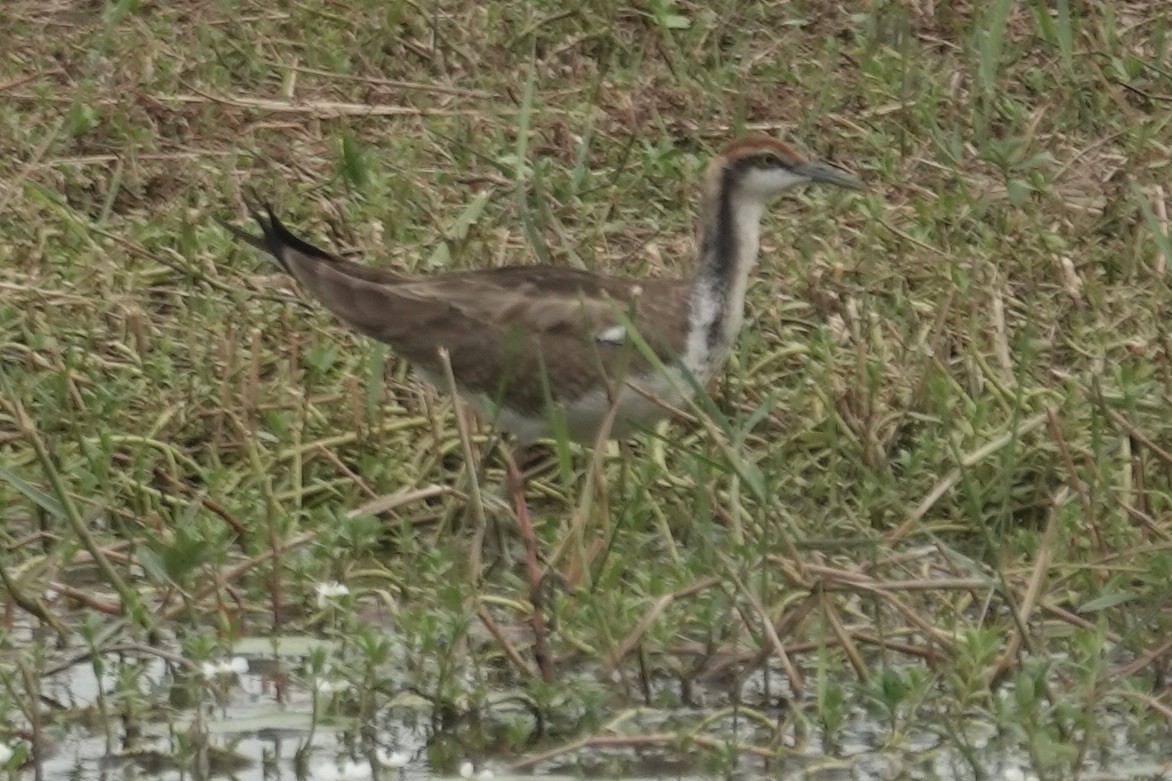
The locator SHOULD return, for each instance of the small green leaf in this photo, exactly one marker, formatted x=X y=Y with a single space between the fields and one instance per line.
x=355 y=166
x=754 y=478
x=1018 y=191
x=82 y=119
x=1106 y=600
x=760 y=413
x=31 y=492
x=1163 y=240
x=152 y=565
x=1064 y=32
x=116 y=12
x=440 y=257
x=470 y=215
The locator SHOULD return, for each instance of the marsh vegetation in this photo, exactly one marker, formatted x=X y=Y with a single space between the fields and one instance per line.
x=921 y=528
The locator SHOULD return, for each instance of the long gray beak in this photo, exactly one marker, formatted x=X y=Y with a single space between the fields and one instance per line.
x=824 y=173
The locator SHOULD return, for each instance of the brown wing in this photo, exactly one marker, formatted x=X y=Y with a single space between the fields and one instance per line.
x=502 y=327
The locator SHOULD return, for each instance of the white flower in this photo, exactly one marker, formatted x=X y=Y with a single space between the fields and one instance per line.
x=209 y=669
x=347 y=771
x=394 y=759
x=329 y=686
x=468 y=770
x=6 y=753
x=237 y=665
x=326 y=592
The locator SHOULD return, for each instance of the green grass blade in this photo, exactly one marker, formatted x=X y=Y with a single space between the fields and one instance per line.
x=34 y=494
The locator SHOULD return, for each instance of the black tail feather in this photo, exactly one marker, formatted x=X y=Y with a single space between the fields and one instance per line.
x=245 y=236
x=276 y=238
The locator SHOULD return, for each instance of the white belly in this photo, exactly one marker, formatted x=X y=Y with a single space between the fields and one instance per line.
x=642 y=402
x=641 y=406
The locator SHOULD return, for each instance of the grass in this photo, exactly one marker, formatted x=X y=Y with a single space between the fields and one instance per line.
x=928 y=509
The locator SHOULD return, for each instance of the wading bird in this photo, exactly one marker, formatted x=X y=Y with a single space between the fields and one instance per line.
x=528 y=345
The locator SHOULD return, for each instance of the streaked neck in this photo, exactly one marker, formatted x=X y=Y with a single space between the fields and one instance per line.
x=730 y=227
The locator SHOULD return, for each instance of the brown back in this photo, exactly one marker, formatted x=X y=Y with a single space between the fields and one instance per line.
x=503 y=328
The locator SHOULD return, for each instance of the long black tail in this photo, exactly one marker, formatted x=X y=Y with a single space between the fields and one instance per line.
x=276 y=239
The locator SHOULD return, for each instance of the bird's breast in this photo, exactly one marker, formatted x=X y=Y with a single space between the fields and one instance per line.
x=640 y=403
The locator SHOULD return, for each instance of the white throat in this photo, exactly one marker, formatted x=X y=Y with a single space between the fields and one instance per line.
x=728 y=253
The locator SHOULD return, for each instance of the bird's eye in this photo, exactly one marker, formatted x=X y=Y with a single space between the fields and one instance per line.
x=773 y=161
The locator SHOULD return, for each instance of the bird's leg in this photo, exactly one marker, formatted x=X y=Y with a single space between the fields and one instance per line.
x=516 y=482
x=485 y=454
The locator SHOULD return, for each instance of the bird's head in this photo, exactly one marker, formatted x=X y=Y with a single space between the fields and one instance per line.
x=759 y=167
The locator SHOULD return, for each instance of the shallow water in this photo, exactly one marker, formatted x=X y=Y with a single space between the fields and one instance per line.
x=262 y=731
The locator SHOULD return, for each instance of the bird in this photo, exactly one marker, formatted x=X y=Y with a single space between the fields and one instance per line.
x=539 y=349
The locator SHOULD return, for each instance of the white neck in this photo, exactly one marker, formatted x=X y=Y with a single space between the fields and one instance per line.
x=730 y=228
